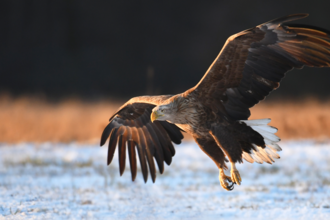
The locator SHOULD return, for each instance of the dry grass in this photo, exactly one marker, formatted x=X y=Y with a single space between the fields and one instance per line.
x=29 y=119
x=296 y=120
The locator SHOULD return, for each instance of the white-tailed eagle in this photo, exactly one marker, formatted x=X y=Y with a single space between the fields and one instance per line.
x=215 y=112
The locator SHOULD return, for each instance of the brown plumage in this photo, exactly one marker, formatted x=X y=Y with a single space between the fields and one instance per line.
x=215 y=112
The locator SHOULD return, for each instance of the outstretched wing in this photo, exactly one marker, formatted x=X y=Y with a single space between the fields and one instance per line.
x=130 y=127
x=252 y=63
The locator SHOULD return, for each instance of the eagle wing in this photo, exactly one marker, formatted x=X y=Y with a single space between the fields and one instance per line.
x=252 y=63
x=130 y=127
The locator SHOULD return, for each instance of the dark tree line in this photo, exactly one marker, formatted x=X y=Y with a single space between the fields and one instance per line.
x=96 y=49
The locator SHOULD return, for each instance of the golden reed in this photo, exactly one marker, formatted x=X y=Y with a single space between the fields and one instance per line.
x=29 y=119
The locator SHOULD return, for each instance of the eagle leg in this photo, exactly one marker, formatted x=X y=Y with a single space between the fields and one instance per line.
x=225 y=180
x=235 y=176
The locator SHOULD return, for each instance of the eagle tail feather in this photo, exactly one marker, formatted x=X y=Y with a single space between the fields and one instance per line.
x=266 y=153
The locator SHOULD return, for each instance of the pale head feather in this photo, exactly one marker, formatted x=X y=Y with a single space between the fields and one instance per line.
x=173 y=110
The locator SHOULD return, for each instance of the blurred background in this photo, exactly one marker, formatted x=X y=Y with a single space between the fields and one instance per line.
x=66 y=65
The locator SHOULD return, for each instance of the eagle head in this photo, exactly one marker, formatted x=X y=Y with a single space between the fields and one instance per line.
x=163 y=113
x=176 y=110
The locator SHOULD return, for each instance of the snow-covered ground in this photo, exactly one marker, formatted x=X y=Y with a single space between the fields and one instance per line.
x=58 y=181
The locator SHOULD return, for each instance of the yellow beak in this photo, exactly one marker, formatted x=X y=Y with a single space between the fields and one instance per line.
x=154 y=115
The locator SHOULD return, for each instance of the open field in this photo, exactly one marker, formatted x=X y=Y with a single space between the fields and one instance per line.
x=57 y=170
x=32 y=120
x=72 y=181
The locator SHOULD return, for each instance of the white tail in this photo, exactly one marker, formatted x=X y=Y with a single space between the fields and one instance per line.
x=260 y=154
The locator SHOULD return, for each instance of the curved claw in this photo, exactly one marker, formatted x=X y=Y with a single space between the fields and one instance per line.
x=231 y=187
x=225 y=180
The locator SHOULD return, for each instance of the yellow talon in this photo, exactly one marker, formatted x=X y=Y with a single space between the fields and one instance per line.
x=235 y=176
x=225 y=180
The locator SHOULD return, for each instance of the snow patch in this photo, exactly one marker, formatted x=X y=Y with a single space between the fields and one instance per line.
x=59 y=181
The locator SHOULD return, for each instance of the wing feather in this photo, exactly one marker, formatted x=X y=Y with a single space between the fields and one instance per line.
x=122 y=151
x=142 y=154
x=149 y=153
x=131 y=128
x=159 y=152
x=163 y=130
x=132 y=158
x=165 y=142
x=106 y=132
x=253 y=62
x=112 y=145
x=171 y=129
